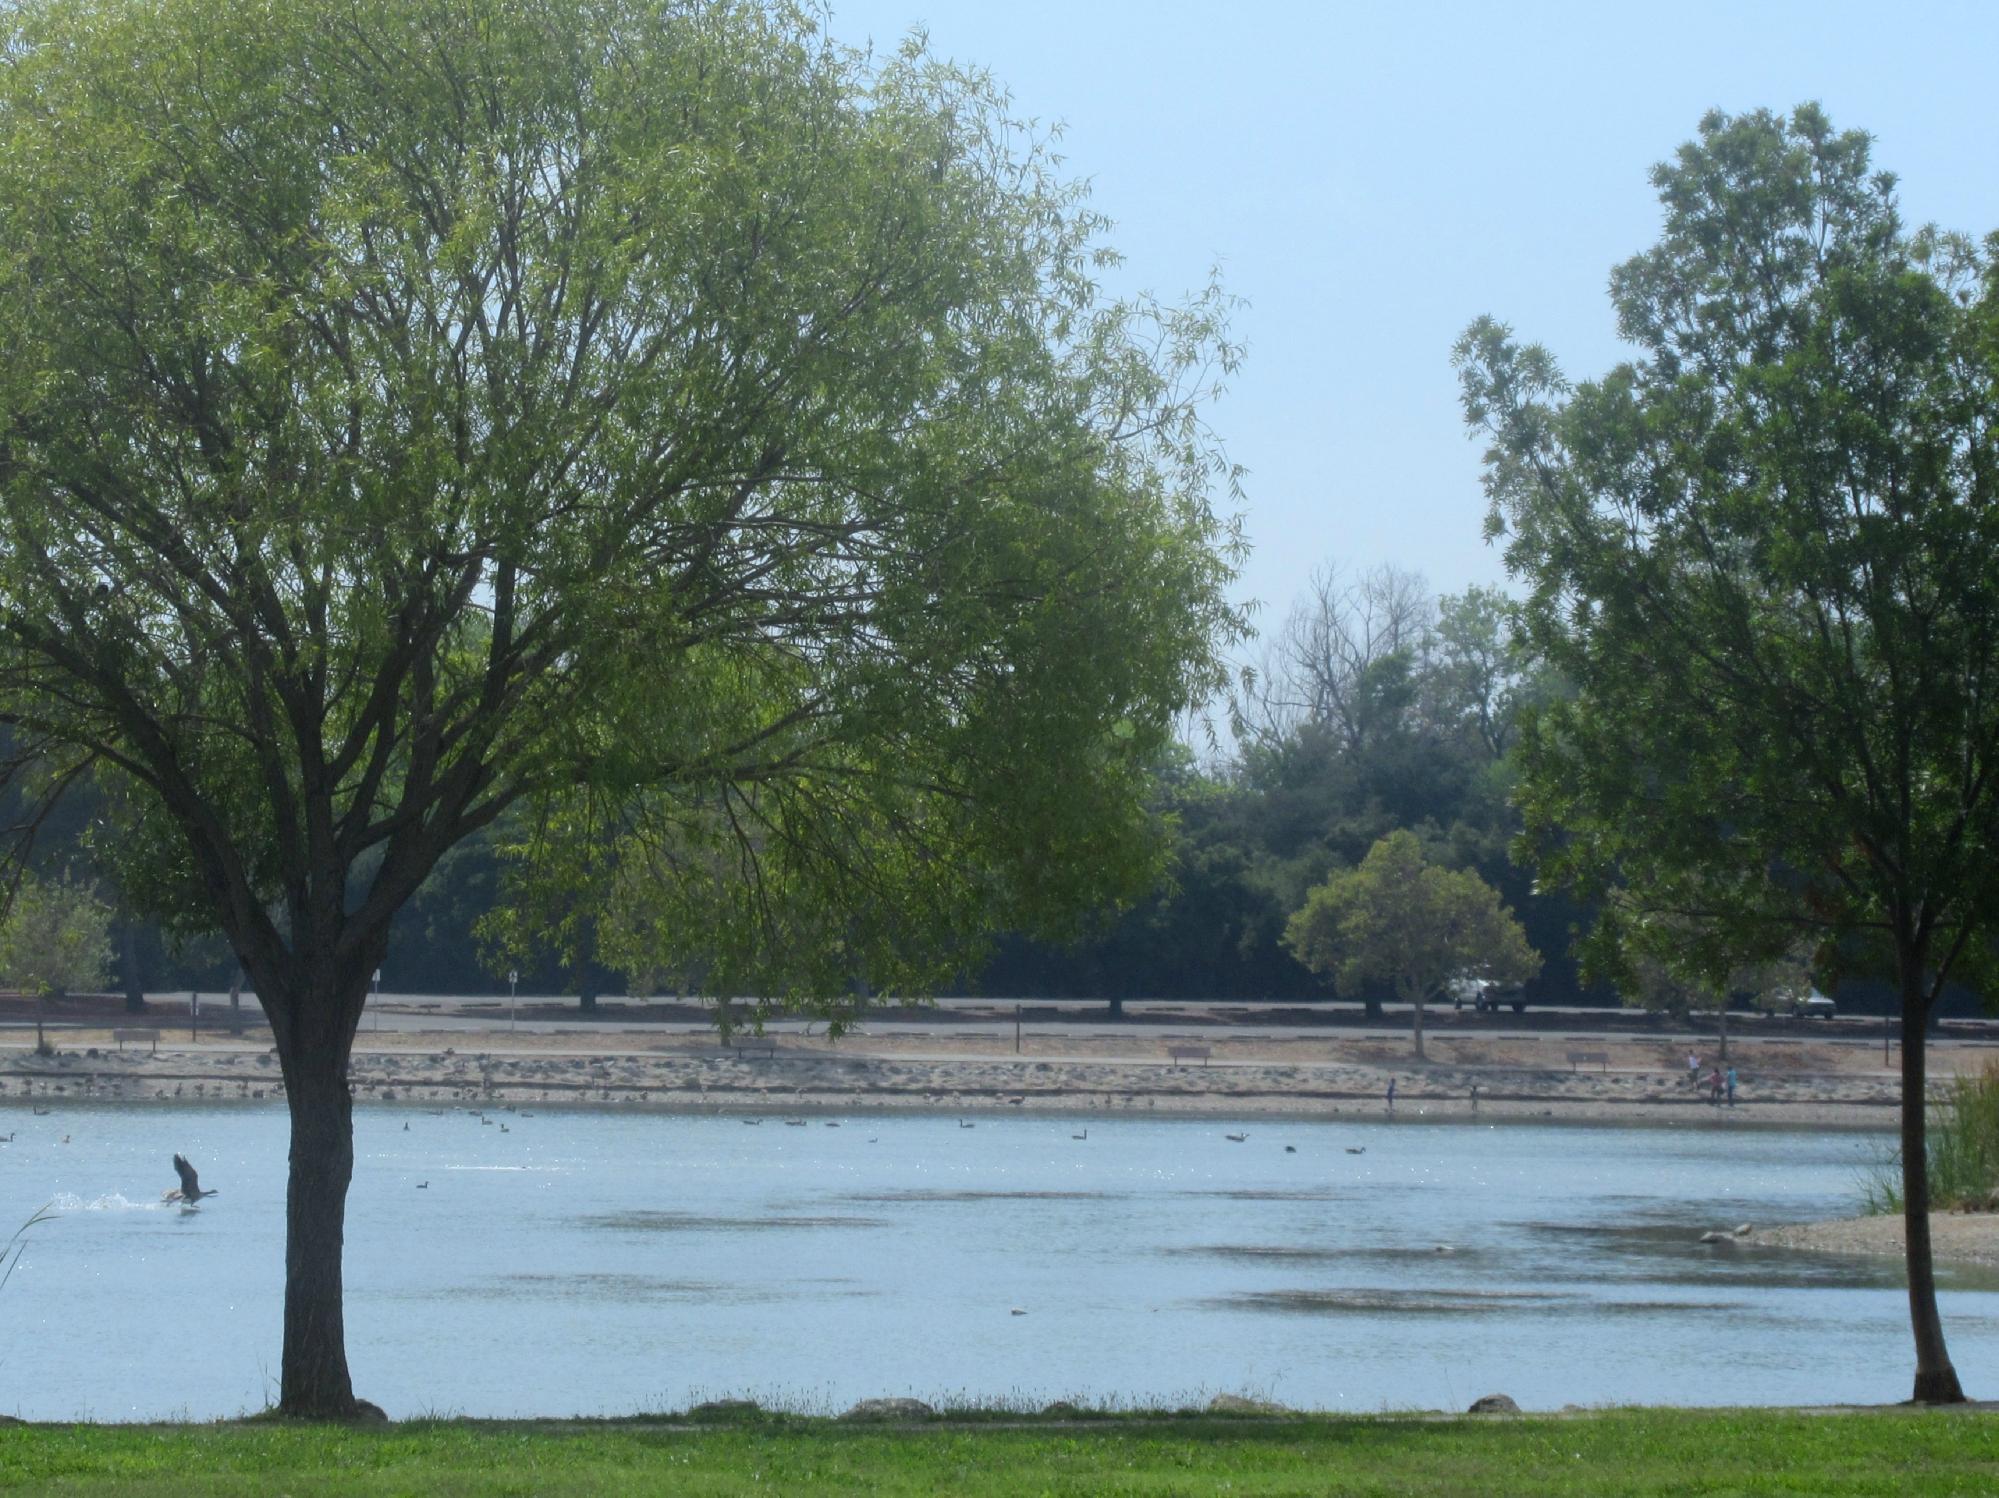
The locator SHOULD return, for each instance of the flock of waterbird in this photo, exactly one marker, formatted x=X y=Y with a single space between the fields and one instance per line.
x=190 y=1191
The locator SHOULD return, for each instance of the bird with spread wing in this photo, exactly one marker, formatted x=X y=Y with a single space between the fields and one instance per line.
x=190 y=1184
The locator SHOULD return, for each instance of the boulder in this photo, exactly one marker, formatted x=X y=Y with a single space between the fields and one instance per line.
x=1719 y=1239
x=890 y=1409
x=1495 y=1404
x=1236 y=1404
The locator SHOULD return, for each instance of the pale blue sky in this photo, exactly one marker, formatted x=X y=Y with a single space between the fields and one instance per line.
x=1370 y=178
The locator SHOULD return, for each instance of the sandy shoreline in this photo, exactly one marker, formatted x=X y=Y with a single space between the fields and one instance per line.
x=1471 y=1079
x=1960 y=1237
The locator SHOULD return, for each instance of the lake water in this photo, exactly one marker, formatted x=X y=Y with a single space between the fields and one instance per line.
x=607 y=1263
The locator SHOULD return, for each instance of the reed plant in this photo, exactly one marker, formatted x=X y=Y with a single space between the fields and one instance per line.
x=1963 y=1151
x=12 y=1249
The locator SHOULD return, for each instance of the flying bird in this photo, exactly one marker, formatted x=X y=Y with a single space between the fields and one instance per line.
x=190 y=1184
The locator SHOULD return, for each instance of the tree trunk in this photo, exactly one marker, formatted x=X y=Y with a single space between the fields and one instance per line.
x=586 y=956
x=1721 y=1027
x=314 y=1382
x=128 y=968
x=1416 y=1024
x=1936 y=1379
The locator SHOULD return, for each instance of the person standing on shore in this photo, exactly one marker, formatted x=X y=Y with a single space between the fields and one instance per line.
x=1391 y=1094
x=1714 y=1087
x=1693 y=1069
x=1731 y=1086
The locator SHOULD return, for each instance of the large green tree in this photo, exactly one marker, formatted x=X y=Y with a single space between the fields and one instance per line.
x=1401 y=921
x=1766 y=554
x=641 y=414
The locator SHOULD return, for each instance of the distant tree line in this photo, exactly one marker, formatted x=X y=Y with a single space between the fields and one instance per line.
x=1376 y=707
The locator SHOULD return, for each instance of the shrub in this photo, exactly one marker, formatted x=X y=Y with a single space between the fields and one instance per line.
x=1963 y=1151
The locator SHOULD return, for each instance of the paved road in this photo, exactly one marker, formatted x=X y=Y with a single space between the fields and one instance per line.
x=1053 y=1020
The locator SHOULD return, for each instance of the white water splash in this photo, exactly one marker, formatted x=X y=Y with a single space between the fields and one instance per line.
x=68 y=1201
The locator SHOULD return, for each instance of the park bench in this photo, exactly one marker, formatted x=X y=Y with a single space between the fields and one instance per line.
x=754 y=1046
x=150 y=1036
x=1585 y=1058
x=1179 y=1053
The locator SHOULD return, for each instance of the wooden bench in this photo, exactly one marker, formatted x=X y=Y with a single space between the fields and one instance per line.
x=150 y=1036
x=1584 y=1058
x=752 y=1047
x=1179 y=1053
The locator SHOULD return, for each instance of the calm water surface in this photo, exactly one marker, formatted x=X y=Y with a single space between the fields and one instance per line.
x=600 y=1263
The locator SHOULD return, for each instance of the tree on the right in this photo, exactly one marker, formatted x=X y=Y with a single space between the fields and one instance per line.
x=1764 y=554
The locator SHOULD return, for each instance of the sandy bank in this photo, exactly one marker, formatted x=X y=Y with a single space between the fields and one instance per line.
x=1963 y=1237
x=1310 y=1076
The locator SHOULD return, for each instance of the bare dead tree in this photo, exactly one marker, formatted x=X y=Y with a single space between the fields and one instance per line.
x=1317 y=667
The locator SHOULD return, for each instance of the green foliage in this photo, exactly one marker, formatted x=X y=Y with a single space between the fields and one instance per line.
x=1403 y=921
x=1676 y=965
x=647 y=418
x=1963 y=1151
x=55 y=939
x=1766 y=554
x=652 y=416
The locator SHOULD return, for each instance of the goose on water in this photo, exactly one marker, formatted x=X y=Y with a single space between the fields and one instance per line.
x=190 y=1184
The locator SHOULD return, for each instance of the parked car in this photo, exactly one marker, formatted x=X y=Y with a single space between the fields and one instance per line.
x=1813 y=1005
x=1485 y=995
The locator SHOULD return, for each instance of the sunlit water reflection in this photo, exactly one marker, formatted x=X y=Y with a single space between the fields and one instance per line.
x=614 y=1263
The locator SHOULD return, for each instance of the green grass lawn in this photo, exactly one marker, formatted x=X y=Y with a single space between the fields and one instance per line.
x=1608 y=1453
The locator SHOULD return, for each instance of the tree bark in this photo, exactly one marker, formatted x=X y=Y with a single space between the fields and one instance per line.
x=586 y=956
x=1721 y=1027
x=128 y=968
x=1415 y=998
x=314 y=1381
x=1936 y=1379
